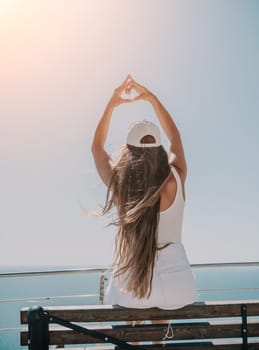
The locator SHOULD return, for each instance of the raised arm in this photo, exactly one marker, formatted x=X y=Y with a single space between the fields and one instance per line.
x=168 y=125
x=101 y=157
x=173 y=134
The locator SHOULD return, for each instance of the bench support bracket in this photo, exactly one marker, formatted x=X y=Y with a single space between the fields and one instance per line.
x=38 y=329
x=98 y=335
x=39 y=320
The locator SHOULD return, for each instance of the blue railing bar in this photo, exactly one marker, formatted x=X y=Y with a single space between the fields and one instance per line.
x=9 y=330
x=107 y=269
x=227 y=264
x=229 y=289
x=55 y=272
x=33 y=299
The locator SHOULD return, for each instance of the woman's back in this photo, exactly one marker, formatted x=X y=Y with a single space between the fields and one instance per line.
x=173 y=285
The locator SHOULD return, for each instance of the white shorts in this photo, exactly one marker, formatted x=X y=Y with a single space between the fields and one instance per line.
x=173 y=284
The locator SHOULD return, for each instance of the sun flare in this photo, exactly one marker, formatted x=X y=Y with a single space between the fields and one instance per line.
x=5 y=6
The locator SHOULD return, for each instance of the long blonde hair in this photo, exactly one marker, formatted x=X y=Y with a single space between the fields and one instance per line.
x=134 y=189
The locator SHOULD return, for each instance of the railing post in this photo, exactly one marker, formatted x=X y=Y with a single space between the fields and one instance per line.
x=38 y=322
x=101 y=288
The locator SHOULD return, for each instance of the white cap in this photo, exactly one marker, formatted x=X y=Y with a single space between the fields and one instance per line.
x=140 y=129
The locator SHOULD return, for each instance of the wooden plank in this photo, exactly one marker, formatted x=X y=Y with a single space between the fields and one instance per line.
x=196 y=346
x=103 y=313
x=92 y=348
x=200 y=346
x=253 y=344
x=182 y=346
x=186 y=331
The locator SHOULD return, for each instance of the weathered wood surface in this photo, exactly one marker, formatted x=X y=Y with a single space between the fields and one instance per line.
x=109 y=313
x=199 y=346
x=189 y=332
x=182 y=331
x=196 y=346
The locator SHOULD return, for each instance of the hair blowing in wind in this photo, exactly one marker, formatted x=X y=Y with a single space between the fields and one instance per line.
x=134 y=189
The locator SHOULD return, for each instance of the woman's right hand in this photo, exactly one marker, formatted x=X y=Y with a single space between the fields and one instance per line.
x=142 y=91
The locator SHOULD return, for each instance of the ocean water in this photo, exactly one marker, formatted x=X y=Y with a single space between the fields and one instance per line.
x=214 y=283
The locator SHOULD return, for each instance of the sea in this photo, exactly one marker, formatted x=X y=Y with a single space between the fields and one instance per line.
x=213 y=283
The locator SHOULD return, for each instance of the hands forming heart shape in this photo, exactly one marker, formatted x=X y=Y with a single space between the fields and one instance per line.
x=126 y=88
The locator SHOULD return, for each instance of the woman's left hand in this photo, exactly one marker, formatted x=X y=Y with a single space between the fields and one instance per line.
x=117 y=98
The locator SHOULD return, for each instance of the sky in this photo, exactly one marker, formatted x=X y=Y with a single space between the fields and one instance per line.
x=60 y=62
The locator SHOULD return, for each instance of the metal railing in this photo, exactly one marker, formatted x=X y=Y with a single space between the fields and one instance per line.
x=102 y=271
x=55 y=272
x=107 y=269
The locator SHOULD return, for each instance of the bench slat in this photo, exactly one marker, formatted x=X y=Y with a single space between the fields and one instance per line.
x=109 y=313
x=221 y=331
x=185 y=346
x=183 y=331
x=200 y=346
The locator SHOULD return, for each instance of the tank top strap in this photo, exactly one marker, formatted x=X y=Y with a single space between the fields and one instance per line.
x=178 y=181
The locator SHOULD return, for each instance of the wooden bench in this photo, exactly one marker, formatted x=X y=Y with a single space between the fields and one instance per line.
x=202 y=325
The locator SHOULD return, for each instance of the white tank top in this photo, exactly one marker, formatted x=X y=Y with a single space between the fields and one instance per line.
x=171 y=219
